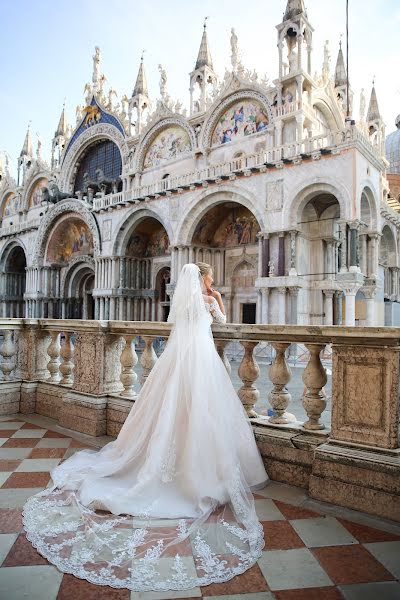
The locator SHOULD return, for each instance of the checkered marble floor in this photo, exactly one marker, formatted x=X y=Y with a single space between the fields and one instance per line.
x=313 y=551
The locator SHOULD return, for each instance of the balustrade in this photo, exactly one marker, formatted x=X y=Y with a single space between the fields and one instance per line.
x=307 y=146
x=355 y=463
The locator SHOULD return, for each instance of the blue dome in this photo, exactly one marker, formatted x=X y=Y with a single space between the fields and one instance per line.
x=393 y=149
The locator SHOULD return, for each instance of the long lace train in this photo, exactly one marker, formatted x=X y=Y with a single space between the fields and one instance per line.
x=168 y=505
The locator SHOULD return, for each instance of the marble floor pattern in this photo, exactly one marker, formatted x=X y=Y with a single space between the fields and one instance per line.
x=314 y=551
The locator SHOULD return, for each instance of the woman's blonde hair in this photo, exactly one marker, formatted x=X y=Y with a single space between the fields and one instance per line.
x=204 y=268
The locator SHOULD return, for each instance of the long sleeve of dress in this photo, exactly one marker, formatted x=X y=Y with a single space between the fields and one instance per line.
x=217 y=315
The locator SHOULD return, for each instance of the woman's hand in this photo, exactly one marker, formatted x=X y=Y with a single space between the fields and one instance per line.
x=214 y=293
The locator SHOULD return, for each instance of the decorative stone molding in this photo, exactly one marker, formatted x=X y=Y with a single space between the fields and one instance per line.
x=63 y=207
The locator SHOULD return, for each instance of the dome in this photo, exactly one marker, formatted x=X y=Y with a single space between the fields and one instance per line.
x=393 y=148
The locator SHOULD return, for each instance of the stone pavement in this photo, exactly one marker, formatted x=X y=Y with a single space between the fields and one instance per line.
x=313 y=551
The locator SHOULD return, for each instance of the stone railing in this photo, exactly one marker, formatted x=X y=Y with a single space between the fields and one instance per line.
x=290 y=152
x=83 y=375
x=19 y=227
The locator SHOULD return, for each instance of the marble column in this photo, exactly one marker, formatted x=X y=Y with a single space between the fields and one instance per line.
x=343 y=248
x=328 y=307
x=293 y=253
x=281 y=255
x=264 y=305
x=281 y=305
x=350 y=316
x=294 y=295
x=353 y=260
x=364 y=254
x=338 y=320
x=373 y=269
x=265 y=256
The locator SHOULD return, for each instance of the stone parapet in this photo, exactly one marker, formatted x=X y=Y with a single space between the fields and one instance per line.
x=356 y=463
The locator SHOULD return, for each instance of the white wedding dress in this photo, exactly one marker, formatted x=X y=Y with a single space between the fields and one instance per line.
x=167 y=505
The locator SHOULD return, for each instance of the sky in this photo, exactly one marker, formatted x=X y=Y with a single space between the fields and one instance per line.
x=46 y=49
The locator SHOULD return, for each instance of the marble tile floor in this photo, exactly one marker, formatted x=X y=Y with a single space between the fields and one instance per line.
x=314 y=551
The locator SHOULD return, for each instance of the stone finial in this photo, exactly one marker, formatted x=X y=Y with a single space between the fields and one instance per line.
x=141 y=80
x=204 y=55
x=340 y=70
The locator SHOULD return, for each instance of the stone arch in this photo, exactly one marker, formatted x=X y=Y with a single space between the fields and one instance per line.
x=30 y=187
x=332 y=119
x=388 y=246
x=293 y=209
x=153 y=132
x=11 y=192
x=50 y=220
x=202 y=203
x=221 y=107
x=95 y=133
x=74 y=266
x=13 y=263
x=162 y=276
x=7 y=250
x=76 y=288
x=368 y=190
x=129 y=225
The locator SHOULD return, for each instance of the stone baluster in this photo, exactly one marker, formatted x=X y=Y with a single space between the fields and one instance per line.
x=280 y=374
x=220 y=346
x=129 y=360
x=314 y=378
x=248 y=373
x=148 y=358
x=8 y=352
x=53 y=366
x=67 y=366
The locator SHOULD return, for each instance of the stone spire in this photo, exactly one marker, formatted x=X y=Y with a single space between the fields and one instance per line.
x=27 y=147
x=204 y=56
x=294 y=8
x=62 y=124
x=141 y=81
x=373 y=108
x=340 y=71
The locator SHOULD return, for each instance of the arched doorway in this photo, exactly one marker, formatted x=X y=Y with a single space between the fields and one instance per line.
x=389 y=274
x=68 y=277
x=318 y=257
x=226 y=237
x=78 y=294
x=244 y=305
x=146 y=253
x=13 y=275
x=163 y=278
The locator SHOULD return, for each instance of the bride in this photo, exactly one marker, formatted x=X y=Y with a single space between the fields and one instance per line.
x=167 y=505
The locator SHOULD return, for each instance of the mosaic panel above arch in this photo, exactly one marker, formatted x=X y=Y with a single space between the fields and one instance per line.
x=226 y=225
x=171 y=143
x=71 y=238
x=241 y=119
x=36 y=195
x=12 y=205
x=149 y=239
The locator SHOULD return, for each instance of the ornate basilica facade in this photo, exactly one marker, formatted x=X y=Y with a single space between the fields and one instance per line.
x=268 y=181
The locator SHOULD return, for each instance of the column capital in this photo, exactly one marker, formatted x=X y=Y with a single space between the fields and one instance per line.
x=281 y=290
x=328 y=293
x=294 y=290
x=356 y=224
